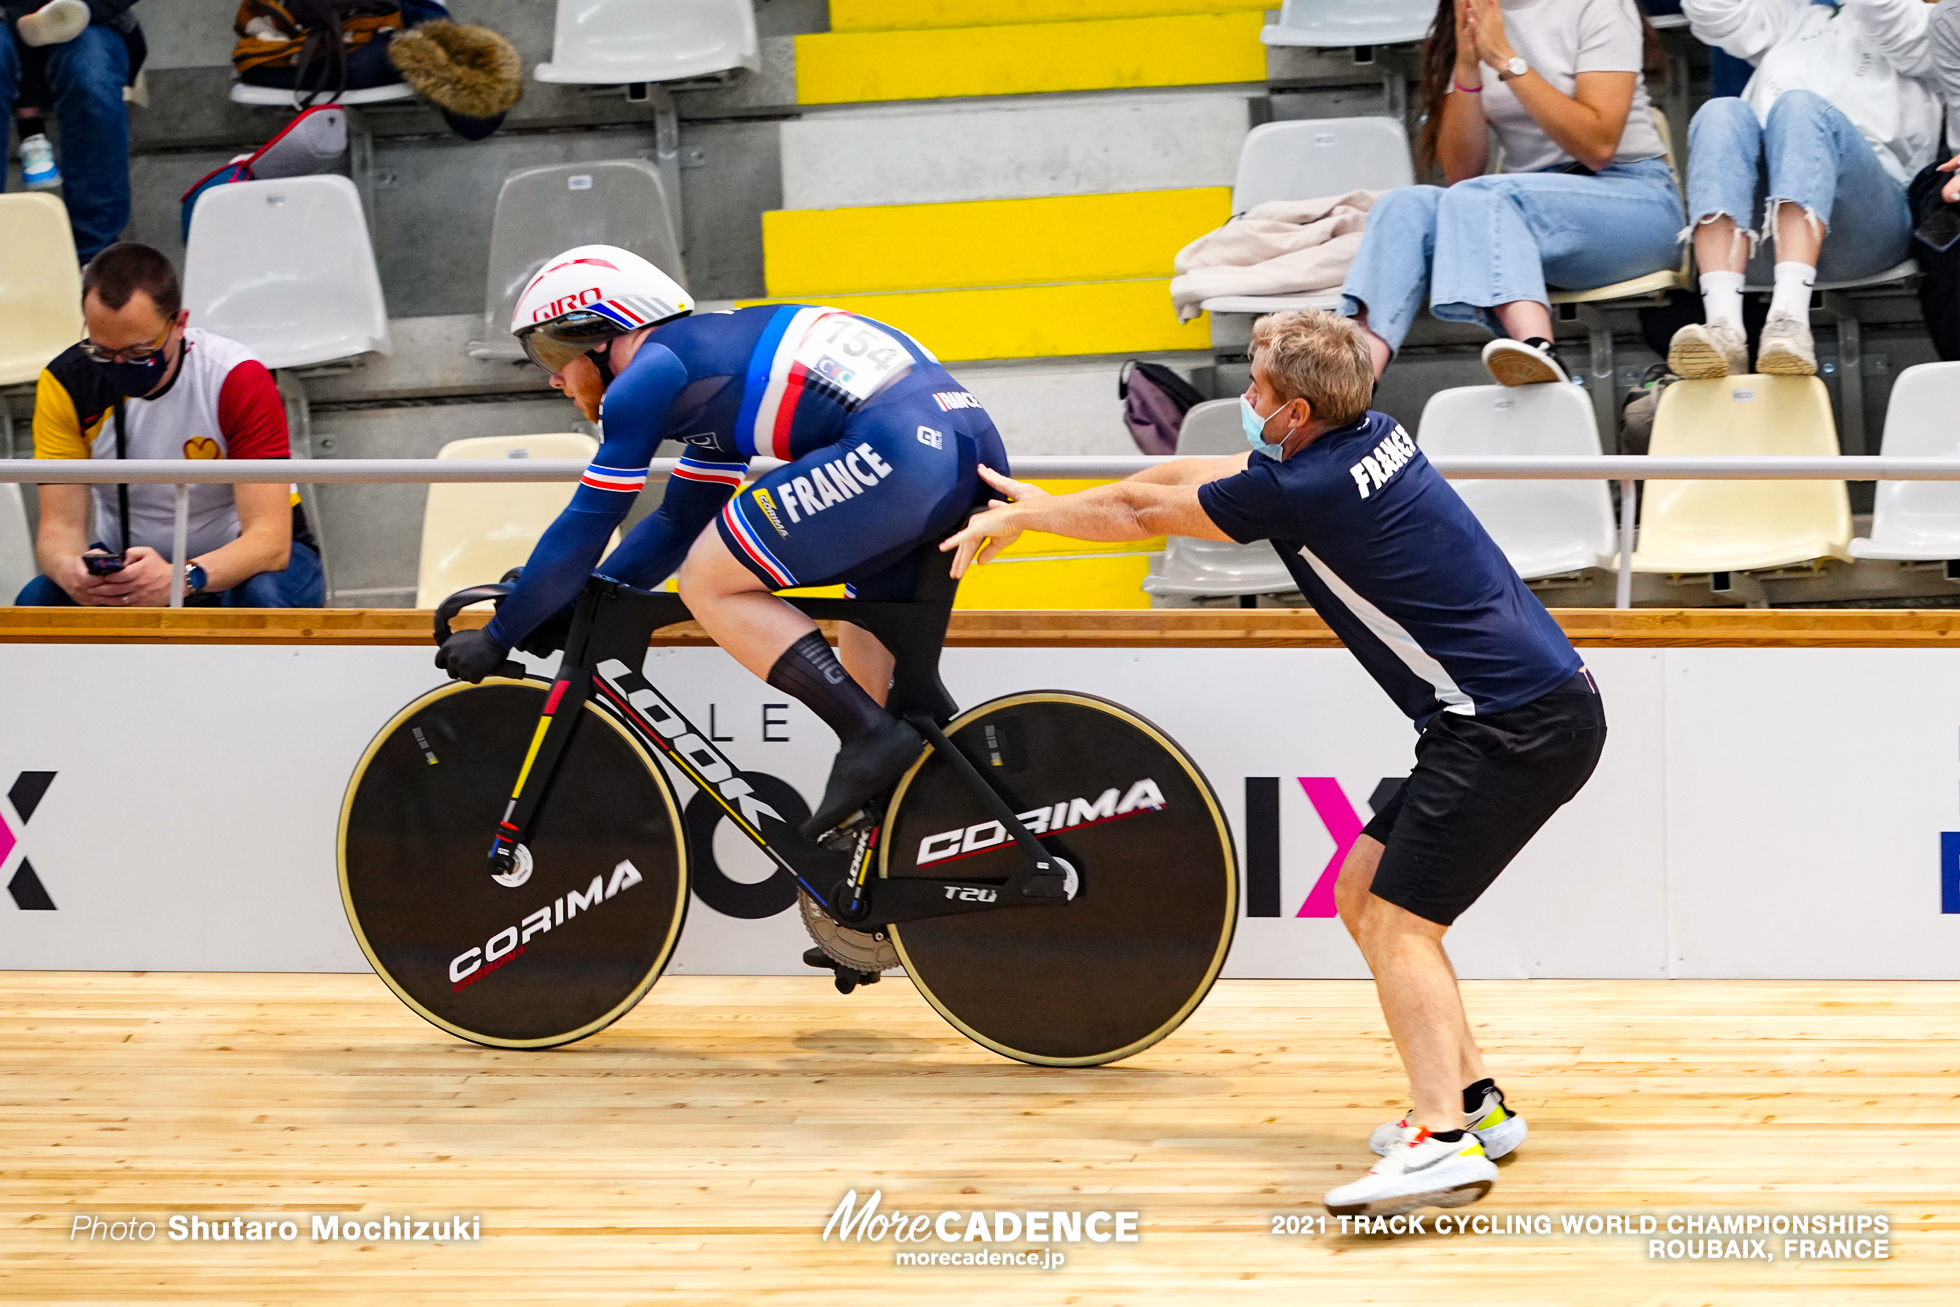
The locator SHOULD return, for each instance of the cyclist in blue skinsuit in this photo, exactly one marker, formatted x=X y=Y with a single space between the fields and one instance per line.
x=881 y=446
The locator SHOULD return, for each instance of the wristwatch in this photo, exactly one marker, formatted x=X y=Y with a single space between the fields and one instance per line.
x=1515 y=66
x=195 y=578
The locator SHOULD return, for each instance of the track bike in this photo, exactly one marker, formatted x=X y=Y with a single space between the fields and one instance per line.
x=1054 y=873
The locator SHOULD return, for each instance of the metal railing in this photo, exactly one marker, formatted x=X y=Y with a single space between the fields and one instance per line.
x=1627 y=469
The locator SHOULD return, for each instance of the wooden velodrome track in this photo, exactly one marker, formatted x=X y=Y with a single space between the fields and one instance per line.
x=693 y=1152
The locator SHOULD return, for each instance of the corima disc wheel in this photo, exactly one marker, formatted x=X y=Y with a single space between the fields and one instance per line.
x=1119 y=967
x=563 y=954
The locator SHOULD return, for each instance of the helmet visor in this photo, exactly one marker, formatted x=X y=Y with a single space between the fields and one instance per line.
x=552 y=345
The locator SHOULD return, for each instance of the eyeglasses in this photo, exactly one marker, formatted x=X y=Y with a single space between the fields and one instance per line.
x=555 y=344
x=134 y=354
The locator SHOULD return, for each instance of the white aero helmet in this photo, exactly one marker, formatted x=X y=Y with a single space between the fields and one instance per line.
x=588 y=295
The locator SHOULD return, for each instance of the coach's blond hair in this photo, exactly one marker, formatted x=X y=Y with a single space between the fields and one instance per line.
x=1319 y=357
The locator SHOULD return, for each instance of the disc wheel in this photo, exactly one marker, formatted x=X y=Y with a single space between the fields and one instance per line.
x=601 y=878
x=1125 y=961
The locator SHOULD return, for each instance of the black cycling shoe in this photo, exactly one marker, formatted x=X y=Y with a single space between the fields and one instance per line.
x=864 y=767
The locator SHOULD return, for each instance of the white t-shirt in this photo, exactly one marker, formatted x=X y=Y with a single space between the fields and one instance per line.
x=1561 y=39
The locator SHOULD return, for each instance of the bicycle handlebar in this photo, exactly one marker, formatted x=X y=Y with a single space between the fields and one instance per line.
x=456 y=603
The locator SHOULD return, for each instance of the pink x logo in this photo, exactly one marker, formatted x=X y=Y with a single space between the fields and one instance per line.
x=1330 y=803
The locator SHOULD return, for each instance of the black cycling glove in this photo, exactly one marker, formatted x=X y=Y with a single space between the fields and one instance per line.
x=470 y=656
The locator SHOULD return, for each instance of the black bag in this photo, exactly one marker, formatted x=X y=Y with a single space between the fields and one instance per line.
x=1155 y=400
x=1939 y=282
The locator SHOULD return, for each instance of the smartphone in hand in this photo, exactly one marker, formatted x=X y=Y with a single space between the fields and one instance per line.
x=1941 y=230
x=103 y=564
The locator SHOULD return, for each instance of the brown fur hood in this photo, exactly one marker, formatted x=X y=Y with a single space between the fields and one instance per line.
x=466 y=69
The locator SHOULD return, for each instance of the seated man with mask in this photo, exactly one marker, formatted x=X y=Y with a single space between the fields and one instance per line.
x=145 y=385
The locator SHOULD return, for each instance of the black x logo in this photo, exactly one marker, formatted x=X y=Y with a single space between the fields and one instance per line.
x=29 y=894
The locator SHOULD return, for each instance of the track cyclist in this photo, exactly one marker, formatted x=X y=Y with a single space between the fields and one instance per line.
x=881 y=446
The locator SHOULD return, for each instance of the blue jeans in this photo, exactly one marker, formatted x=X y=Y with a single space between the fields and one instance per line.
x=302 y=585
x=1812 y=156
x=88 y=75
x=1505 y=237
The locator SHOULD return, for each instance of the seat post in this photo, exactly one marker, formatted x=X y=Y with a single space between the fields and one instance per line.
x=1851 y=372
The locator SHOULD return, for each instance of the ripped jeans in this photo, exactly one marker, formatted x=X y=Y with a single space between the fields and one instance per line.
x=1812 y=156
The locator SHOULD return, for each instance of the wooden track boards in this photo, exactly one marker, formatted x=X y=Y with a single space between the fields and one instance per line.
x=692 y=1152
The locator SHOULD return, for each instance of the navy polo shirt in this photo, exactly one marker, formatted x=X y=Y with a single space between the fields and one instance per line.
x=1400 y=568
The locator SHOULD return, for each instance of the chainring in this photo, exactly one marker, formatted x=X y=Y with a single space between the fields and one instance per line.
x=855 y=949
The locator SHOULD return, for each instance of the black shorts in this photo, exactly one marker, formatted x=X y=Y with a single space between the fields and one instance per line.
x=1481 y=788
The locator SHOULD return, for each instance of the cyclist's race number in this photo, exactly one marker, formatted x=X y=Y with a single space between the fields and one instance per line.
x=852 y=354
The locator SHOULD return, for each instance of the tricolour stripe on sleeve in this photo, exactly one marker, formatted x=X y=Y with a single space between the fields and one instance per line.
x=725 y=474
x=612 y=478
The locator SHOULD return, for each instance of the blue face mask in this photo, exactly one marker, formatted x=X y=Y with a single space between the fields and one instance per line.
x=133 y=379
x=1255 y=431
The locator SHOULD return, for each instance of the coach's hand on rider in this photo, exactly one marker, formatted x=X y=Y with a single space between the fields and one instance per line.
x=998 y=526
x=470 y=656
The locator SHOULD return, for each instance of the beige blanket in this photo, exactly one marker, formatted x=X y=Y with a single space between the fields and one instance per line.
x=1282 y=247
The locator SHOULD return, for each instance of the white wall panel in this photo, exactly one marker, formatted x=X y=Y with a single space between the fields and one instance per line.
x=1065 y=145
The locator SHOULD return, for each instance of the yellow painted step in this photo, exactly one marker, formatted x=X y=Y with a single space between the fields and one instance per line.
x=1110 y=581
x=1040 y=544
x=1028 y=58
x=903 y=15
x=1012 y=322
x=985 y=242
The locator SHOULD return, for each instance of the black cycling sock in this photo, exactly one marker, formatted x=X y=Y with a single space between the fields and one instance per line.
x=810 y=671
x=1473 y=1097
x=1447 y=1136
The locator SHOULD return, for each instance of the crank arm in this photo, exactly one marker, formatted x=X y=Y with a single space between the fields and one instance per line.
x=915 y=898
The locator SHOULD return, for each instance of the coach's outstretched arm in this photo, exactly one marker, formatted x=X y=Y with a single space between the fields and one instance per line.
x=1162 y=500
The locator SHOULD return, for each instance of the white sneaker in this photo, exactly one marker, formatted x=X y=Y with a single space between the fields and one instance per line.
x=1786 y=349
x=37 y=170
x=54 y=23
x=1419 y=1171
x=1497 y=1127
x=1523 y=362
x=1702 y=350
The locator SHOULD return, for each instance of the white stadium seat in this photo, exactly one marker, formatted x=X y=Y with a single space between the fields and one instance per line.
x=277 y=97
x=474 y=532
x=1336 y=23
x=287 y=268
x=1209 y=568
x=1692 y=527
x=17 y=564
x=1306 y=159
x=1918 y=520
x=40 y=285
x=541 y=211
x=1546 y=528
x=609 y=42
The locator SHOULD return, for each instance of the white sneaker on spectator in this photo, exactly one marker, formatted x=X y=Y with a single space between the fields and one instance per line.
x=54 y=23
x=1786 y=349
x=1523 y=362
x=37 y=170
x=1702 y=350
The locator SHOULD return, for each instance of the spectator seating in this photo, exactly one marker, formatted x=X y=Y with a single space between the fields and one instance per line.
x=1301 y=160
x=1546 y=528
x=1336 y=23
x=17 y=562
x=1197 y=569
x=1843 y=310
x=1918 y=520
x=1590 y=307
x=286 y=267
x=1695 y=527
x=541 y=211
x=474 y=532
x=610 y=42
x=40 y=285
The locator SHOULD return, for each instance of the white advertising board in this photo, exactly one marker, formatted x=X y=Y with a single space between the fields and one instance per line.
x=1758 y=812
